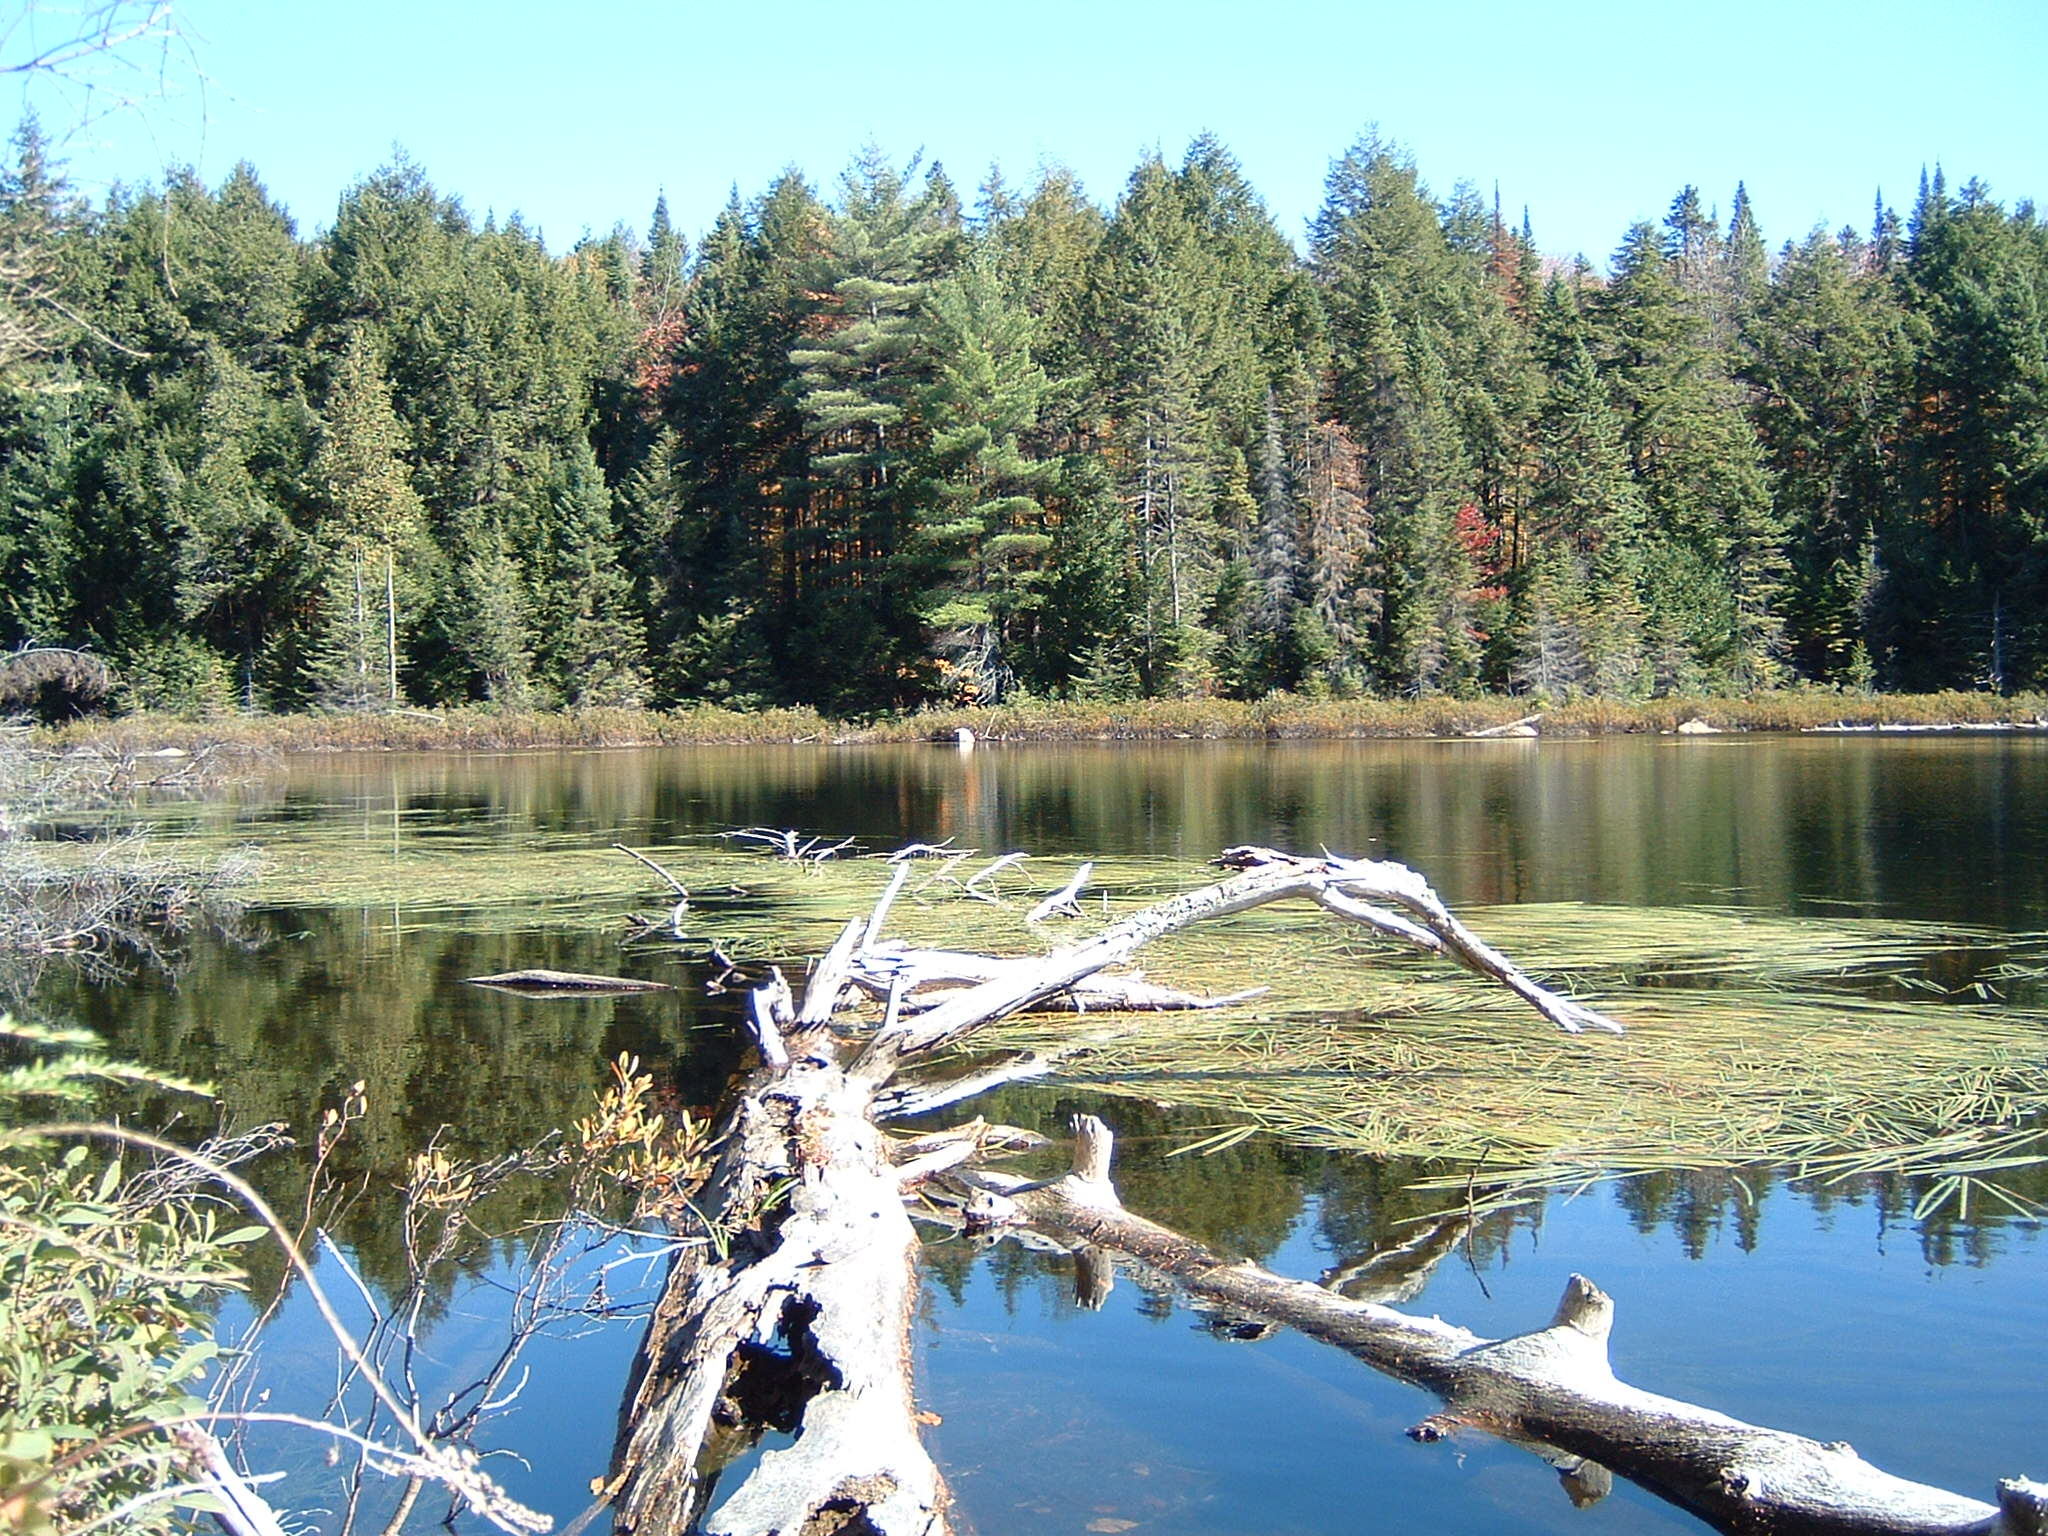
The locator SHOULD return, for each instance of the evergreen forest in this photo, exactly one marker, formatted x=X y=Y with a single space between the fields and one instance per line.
x=895 y=443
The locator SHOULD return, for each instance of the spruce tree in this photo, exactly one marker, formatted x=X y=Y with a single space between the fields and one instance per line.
x=595 y=649
x=1164 y=442
x=1967 y=568
x=494 y=626
x=241 y=559
x=1333 y=634
x=1712 y=530
x=375 y=535
x=1824 y=357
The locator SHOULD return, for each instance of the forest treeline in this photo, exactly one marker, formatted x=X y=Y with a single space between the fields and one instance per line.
x=899 y=446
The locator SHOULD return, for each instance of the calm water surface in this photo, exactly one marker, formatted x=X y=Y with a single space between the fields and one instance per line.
x=1834 y=1313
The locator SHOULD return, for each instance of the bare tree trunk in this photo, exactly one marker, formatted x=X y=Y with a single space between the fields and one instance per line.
x=391 y=623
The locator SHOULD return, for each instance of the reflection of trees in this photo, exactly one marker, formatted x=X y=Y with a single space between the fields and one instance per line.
x=1697 y=1204
x=1776 y=823
x=285 y=1031
x=327 y=999
x=336 y=998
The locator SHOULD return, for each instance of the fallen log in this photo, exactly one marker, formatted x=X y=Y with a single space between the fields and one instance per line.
x=789 y=1309
x=1526 y=726
x=1551 y=1389
x=792 y=1312
x=924 y=977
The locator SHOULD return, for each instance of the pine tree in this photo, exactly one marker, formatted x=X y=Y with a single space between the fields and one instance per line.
x=861 y=371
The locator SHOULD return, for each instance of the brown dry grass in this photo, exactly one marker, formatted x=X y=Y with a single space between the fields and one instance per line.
x=1281 y=716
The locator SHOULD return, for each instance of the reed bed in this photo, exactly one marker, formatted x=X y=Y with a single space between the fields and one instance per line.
x=1287 y=717
x=466 y=729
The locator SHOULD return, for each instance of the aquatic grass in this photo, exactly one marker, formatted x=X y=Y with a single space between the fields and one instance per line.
x=1789 y=1049
x=1819 y=1045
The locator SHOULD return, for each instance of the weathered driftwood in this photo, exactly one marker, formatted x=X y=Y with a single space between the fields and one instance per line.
x=791 y=844
x=673 y=922
x=1550 y=1389
x=680 y=890
x=240 y=1509
x=792 y=1313
x=1526 y=726
x=542 y=983
x=1066 y=900
x=1350 y=888
x=924 y=977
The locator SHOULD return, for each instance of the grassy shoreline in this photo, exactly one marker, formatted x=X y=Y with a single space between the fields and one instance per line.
x=1281 y=717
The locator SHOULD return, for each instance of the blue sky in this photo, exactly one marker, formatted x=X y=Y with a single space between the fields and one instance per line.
x=1591 y=113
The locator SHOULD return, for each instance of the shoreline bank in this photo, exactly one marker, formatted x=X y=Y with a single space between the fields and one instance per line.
x=1279 y=718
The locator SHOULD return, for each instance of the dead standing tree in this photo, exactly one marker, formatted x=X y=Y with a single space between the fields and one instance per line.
x=793 y=1310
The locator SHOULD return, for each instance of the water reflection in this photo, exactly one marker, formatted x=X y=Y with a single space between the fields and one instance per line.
x=1855 y=1306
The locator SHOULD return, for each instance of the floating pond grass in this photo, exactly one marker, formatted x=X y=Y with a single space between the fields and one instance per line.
x=1828 y=1047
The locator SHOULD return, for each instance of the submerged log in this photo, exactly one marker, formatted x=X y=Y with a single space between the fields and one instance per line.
x=788 y=1305
x=1551 y=1389
x=542 y=983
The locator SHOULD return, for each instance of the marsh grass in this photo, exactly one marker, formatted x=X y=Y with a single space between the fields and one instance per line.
x=476 y=728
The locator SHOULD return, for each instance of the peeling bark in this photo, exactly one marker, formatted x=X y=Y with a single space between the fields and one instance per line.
x=801 y=1327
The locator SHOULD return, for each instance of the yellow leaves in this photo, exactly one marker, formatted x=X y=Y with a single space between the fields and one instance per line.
x=433 y=1180
x=640 y=1146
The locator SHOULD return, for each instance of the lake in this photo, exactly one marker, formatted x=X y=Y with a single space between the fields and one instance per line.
x=1837 y=1310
